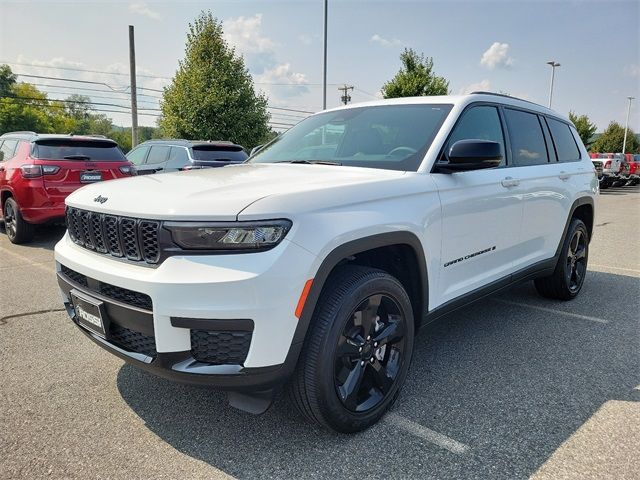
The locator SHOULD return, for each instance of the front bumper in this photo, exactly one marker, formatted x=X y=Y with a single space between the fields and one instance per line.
x=165 y=306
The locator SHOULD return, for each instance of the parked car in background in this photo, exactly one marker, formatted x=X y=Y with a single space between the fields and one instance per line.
x=634 y=170
x=159 y=156
x=611 y=168
x=38 y=172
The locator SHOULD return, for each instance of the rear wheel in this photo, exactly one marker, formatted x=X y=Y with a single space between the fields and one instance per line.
x=357 y=352
x=18 y=230
x=571 y=269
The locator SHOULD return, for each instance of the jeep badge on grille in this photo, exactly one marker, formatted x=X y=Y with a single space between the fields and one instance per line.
x=100 y=199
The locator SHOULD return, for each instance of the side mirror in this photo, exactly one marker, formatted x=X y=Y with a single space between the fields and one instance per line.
x=472 y=155
x=255 y=150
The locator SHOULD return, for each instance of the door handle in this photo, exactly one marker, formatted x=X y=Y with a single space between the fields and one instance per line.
x=564 y=176
x=509 y=182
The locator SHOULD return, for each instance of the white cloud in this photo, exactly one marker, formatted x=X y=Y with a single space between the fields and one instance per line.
x=282 y=74
x=386 y=42
x=245 y=34
x=632 y=70
x=483 y=86
x=144 y=10
x=497 y=55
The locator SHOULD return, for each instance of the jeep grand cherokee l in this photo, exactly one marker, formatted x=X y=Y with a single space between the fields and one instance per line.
x=37 y=172
x=311 y=266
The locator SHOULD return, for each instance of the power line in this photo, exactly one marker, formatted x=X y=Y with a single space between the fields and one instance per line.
x=50 y=92
x=92 y=90
x=84 y=103
x=290 y=110
x=118 y=88
x=81 y=70
x=13 y=100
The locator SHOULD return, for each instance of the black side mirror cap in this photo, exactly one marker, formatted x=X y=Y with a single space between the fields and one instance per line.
x=472 y=155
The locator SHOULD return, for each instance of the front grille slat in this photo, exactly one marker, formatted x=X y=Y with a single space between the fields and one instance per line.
x=121 y=237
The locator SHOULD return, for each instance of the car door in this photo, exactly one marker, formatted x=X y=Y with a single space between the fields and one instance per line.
x=138 y=155
x=544 y=185
x=481 y=212
x=156 y=160
x=178 y=159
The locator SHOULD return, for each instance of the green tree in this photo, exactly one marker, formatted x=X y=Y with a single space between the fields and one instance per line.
x=7 y=81
x=416 y=78
x=211 y=95
x=584 y=126
x=25 y=108
x=612 y=139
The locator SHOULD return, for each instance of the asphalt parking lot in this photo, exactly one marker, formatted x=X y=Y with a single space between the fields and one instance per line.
x=512 y=387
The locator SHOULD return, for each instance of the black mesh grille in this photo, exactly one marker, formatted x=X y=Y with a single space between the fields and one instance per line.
x=220 y=348
x=73 y=275
x=135 y=239
x=131 y=340
x=124 y=295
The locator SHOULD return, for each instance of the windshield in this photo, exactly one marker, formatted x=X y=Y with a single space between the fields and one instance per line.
x=209 y=153
x=68 y=149
x=393 y=137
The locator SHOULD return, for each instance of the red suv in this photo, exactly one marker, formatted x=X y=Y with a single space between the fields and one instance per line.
x=37 y=172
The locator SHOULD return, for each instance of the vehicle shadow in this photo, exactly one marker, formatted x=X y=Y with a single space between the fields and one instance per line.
x=46 y=236
x=503 y=377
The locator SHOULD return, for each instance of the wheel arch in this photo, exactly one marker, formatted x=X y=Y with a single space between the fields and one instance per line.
x=584 y=209
x=361 y=251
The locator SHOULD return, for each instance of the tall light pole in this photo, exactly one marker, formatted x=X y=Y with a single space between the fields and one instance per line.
x=324 y=66
x=553 y=64
x=134 y=100
x=626 y=126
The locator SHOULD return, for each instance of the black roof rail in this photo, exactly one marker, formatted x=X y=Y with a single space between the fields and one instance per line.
x=20 y=132
x=480 y=92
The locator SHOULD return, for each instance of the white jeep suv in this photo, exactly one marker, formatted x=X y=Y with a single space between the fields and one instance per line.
x=311 y=266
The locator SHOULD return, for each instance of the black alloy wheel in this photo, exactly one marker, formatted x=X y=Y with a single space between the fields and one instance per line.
x=369 y=353
x=576 y=261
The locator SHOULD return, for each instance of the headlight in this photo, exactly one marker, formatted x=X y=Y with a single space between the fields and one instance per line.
x=261 y=235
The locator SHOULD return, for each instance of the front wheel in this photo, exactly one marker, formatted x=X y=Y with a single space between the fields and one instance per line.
x=17 y=228
x=357 y=352
x=571 y=269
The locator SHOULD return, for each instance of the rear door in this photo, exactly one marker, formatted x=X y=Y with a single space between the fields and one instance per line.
x=544 y=184
x=69 y=163
x=178 y=159
x=156 y=160
x=481 y=212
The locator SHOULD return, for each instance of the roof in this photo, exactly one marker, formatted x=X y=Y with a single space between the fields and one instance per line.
x=33 y=136
x=459 y=101
x=189 y=143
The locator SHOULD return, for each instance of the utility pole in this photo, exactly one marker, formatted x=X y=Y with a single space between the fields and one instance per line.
x=346 y=98
x=553 y=64
x=134 y=100
x=324 y=66
x=626 y=126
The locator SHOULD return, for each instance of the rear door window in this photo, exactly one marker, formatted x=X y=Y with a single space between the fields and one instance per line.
x=7 y=149
x=528 y=146
x=178 y=157
x=157 y=154
x=563 y=141
x=138 y=155
x=70 y=149
x=210 y=153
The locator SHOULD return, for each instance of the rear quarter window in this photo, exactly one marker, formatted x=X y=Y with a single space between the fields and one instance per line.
x=563 y=140
x=69 y=149
x=7 y=149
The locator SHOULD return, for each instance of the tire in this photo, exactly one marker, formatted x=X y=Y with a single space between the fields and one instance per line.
x=334 y=385
x=566 y=281
x=18 y=230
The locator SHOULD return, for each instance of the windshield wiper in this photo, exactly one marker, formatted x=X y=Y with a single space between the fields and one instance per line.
x=77 y=157
x=310 y=162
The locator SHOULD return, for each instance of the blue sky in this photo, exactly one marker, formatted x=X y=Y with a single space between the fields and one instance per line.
x=497 y=46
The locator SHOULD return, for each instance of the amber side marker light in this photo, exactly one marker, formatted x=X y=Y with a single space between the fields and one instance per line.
x=303 y=297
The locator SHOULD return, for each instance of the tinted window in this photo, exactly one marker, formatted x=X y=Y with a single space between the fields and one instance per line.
x=563 y=140
x=479 y=123
x=137 y=155
x=178 y=157
x=69 y=149
x=527 y=140
x=393 y=137
x=6 y=149
x=158 y=154
x=204 y=153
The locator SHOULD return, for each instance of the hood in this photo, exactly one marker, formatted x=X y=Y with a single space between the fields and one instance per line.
x=215 y=194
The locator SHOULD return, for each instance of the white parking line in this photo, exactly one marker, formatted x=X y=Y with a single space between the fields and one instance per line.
x=552 y=310
x=425 y=433
x=27 y=260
